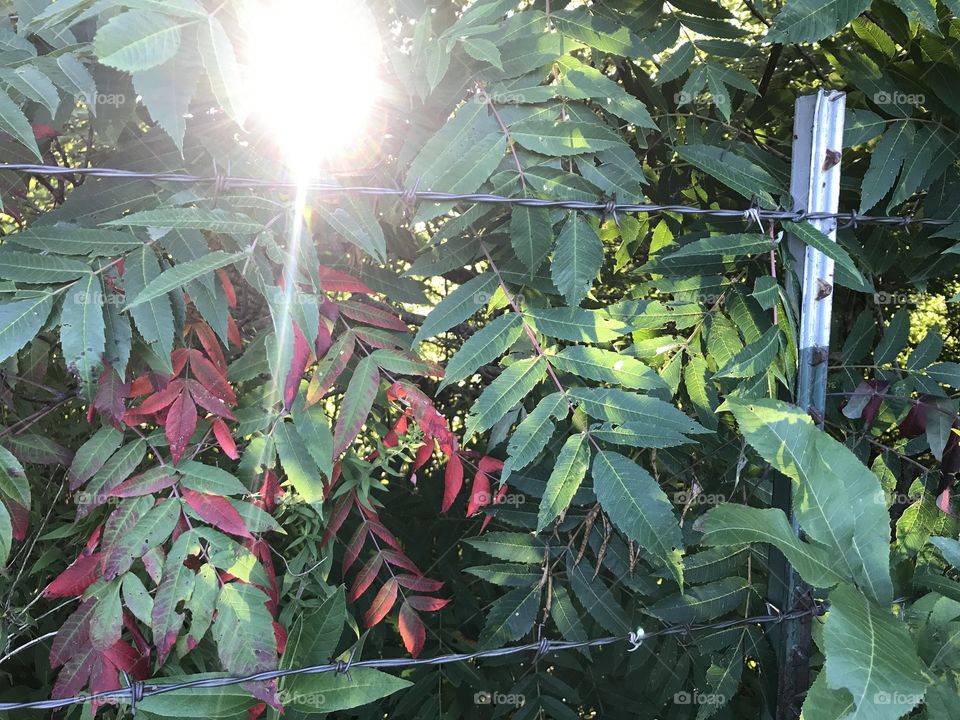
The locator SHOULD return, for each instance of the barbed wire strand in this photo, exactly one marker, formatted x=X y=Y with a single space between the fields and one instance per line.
x=140 y=690
x=609 y=208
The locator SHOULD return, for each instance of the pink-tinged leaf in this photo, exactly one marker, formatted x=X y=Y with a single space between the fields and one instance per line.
x=233 y=332
x=426 y=604
x=225 y=440
x=365 y=313
x=333 y=280
x=163 y=399
x=452 y=482
x=42 y=131
x=209 y=402
x=943 y=501
x=180 y=424
x=418 y=583
x=324 y=340
x=382 y=603
x=400 y=560
x=412 y=630
x=301 y=356
x=341 y=510
x=208 y=375
x=74 y=635
x=103 y=677
x=326 y=373
x=352 y=550
x=479 y=494
x=211 y=346
x=75 y=579
x=381 y=532
x=75 y=674
x=126 y=658
x=147 y=483
x=379 y=339
x=216 y=511
x=111 y=396
x=153 y=564
x=365 y=577
x=357 y=403
x=153 y=529
x=19 y=518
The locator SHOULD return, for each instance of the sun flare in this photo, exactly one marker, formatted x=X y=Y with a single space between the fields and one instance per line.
x=314 y=73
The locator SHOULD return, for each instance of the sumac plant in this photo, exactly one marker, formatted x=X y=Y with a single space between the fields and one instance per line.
x=241 y=435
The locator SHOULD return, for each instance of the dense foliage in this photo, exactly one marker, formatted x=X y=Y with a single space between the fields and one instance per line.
x=427 y=428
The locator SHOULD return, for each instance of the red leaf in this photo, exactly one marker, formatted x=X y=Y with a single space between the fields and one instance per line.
x=233 y=332
x=452 y=482
x=382 y=603
x=211 y=345
x=501 y=493
x=362 y=312
x=324 y=340
x=365 y=577
x=216 y=511
x=180 y=424
x=111 y=396
x=426 y=604
x=75 y=674
x=143 y=484
x=225 y=439
x=74 y=634
x=157 y=402
x=19 y=518
x=281 y=636
x=341 y=510
x=270 y=491
x=424 y=452
x=381 y=531
x=354 y=546
x=412 y=630
x=333 y=280
x=124 y=657
x=42 y=131
x=419 y=583
x=915 y=423
x=301 y=357
x=400 y=560
x=228 y=288
x=72 y=582
x=323 y=379
x=205 y=399
x=208 y=375
x=480 y=494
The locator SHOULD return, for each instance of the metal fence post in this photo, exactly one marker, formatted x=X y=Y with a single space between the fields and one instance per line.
x=814 y=187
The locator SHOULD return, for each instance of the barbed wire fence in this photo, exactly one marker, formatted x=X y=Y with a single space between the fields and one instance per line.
x=609 y=207
x=137 y=691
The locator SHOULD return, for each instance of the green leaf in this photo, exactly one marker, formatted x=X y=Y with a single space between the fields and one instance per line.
x=137 y=40
x=923 y=12
x=885 y=163
x=511 y=616
x=813 y=20
x=604 y=35
x=201 y=605
x=458 y=305
x=483 y=50
x=737 y=525
x=564 y=138
x=15 y=123
x=513 y=547
x=677 y=64
x=223 y=70
x=314 y=635
x=507 y=574
x=358 y=228
x=894 y=338
x=181 y=274
x=735 y=172
x=755 y=358
x=607 y=366
x=198 y=702
x=701 y=603
x=533 y=434
x=531 y=235
x=595 y=597
x=357 y=402
x=176 y=584
x=136 y=598
x=30 y=81
x=313 y=428
x=565 y=479
x=298 y=464
x=13 y=479
x=509 y=388
x=575 y=324
x=243 y=629
x=154 y=318
x=724 y=246
x=484 y=346
x=619 y=406
x=83 y=332
x=6 y=534
x=576 y=260
x=72 y=240
x=566 y=617
x=92 y=455
x=635 y=503
x=848 y=518
x=219 y=221
x=149 y=531
x=329 y=692
x=926 y=146
x=208 y=479
x=166 y=91
x=871 y=654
